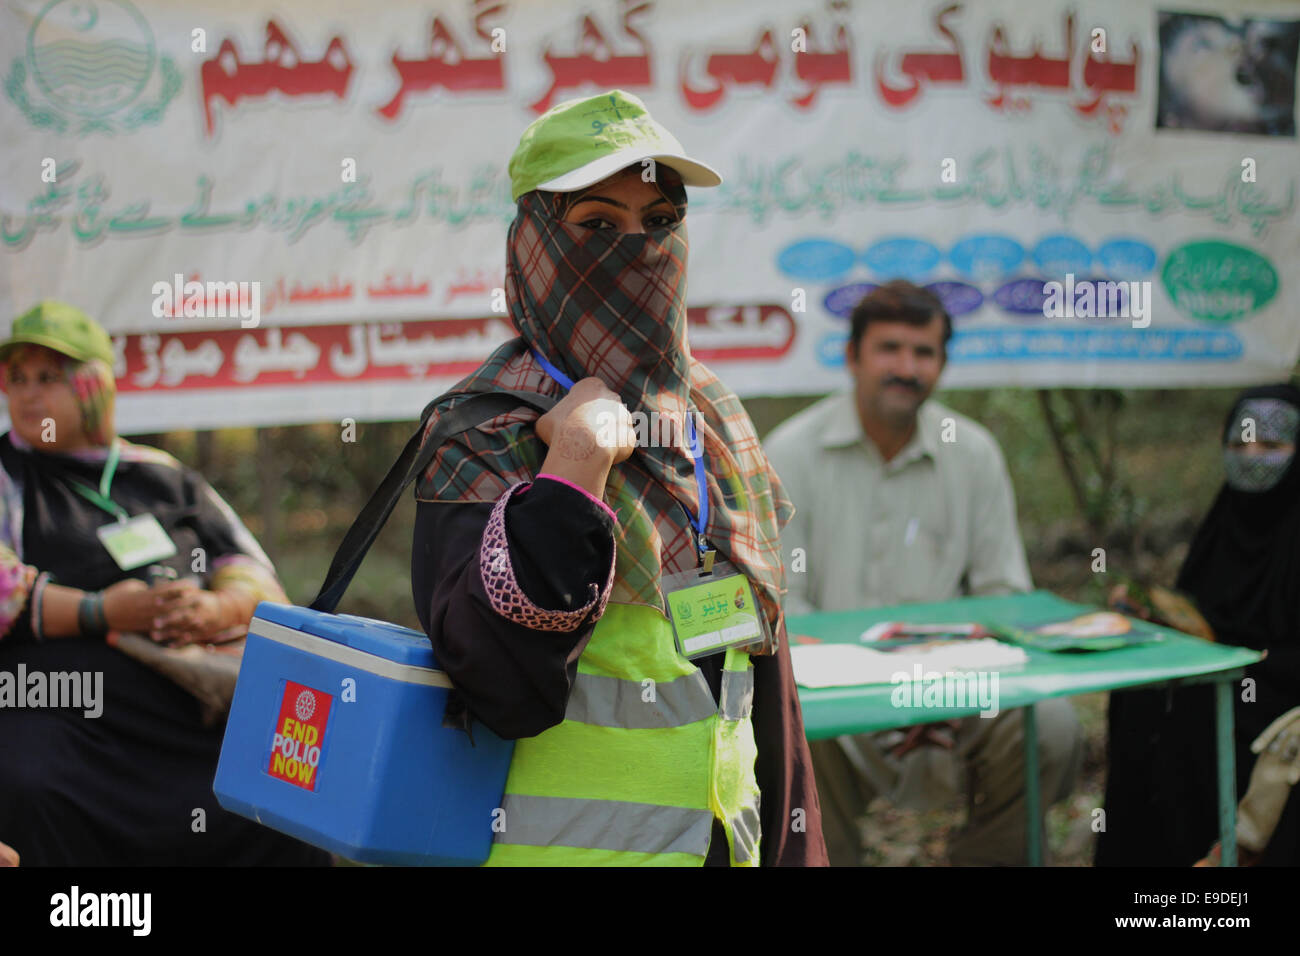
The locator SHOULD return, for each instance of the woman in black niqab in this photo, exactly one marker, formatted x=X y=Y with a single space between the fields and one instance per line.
x=1243 y=571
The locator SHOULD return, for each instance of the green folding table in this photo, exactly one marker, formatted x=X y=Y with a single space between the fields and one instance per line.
x=1176 y=660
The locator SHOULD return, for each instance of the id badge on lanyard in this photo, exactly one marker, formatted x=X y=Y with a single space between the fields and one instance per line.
x=130 y=542
x=712 y=607
x=712 y=611
x=135 y=542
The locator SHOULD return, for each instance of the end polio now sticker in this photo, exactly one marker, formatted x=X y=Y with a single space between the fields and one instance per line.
x=716 y=613
x=299 y=731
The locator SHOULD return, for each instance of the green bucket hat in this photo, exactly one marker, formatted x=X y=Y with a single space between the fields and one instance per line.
x=580 y=142
x=62 y=327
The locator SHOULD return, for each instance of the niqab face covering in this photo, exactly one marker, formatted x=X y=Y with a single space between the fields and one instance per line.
x=1270 y=420
x=596 y=302
x=1244 y=560
x=613 y=306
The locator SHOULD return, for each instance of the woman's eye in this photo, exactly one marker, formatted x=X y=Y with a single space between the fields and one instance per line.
x=660 y=222
x=597 y=223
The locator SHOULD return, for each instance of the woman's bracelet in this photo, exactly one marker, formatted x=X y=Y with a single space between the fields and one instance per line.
x=91 y=621
x=38 y=610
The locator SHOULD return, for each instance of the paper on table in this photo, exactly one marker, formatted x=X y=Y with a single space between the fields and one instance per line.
x=841 y=665
x=848 y=665
x=985 y=653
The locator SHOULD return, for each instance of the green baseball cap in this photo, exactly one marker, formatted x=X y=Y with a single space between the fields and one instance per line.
x=580 y=142
x=62 y=327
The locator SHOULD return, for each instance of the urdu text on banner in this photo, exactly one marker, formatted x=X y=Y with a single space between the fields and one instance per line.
x=1101 y=197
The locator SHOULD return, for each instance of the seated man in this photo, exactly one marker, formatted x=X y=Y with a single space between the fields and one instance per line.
x=899 y=499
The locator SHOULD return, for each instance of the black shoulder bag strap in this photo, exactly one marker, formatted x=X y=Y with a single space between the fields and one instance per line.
x=410 y=464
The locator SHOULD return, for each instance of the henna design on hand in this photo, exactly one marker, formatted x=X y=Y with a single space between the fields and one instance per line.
x=575 y=445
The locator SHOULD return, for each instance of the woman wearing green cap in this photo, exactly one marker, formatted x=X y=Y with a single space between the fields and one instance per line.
x=115 y=776
x=567 y=567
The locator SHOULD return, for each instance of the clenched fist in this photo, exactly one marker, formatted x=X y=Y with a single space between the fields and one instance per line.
x=588 y=432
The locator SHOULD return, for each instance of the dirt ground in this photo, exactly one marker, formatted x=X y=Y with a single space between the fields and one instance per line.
x=898 y=837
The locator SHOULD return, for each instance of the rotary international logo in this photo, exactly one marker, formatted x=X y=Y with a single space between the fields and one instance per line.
x=305 y=706
x=91 y=67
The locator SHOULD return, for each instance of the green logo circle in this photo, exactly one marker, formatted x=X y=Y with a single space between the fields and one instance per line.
x=1218 y=281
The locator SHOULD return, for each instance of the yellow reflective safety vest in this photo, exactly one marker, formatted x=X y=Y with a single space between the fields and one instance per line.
x=643 y=762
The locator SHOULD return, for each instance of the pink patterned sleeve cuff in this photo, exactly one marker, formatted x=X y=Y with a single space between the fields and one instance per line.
x=503 y=591
x=581 y=490
x=16 y=580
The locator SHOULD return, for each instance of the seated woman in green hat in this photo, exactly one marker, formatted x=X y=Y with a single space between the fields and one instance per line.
x=555 y=556
x=119 y=773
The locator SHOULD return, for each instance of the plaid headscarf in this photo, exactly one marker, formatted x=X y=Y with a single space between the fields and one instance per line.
x=611 y=305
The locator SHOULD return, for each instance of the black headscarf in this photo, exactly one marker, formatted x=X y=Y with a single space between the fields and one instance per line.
x=1243 y=566
x=1243 y=570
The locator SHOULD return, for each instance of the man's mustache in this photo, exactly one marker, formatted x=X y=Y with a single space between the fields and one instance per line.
x=912 y=383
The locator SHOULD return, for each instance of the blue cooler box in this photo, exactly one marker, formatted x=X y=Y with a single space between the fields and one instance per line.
x=335 y=736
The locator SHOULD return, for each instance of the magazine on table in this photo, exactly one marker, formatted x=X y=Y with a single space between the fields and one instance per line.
x=1093 y=631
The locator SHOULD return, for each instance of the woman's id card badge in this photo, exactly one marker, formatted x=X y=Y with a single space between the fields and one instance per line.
x=135 y=542
x=711 y=612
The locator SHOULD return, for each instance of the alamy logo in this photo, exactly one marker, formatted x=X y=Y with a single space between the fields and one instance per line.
x=1089 y=299
x=208 y=300
x=78 y=690
x=652 y=429
x=953 y=689
x=75 y=908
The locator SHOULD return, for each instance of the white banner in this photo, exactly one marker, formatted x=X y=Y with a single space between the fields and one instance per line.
x=296 y=211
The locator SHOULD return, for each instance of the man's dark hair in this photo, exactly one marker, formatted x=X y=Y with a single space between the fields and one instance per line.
x=898 y=301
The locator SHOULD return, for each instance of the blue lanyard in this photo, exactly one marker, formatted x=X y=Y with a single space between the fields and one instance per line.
x=697 y=453
x=565 y=382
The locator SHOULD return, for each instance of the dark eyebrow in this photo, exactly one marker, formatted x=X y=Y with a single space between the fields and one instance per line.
x=615 y=203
